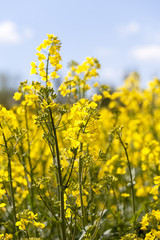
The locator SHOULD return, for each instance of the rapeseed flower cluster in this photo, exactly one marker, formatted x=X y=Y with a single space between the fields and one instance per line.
x=27 y=218
x=53 y=45
x=76 y=81
x=85 y=169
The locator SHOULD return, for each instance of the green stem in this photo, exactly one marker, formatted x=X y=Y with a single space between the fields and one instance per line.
x=47 y=65
x=60 y=181
x=115 y=197
x=10 y=182
x=80 y=177
x=46 y=204
x=27 y=235
x=91 y=196
x=80 y=186
x=130 y=173
x=70 y=174
x=30 y=163
x=99 y=220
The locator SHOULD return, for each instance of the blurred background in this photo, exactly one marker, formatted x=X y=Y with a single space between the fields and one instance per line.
x=123 y=35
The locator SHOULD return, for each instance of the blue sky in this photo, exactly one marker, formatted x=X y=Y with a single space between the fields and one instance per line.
x=124 y=35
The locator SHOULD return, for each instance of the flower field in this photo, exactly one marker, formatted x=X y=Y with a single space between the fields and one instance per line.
x=86 y=167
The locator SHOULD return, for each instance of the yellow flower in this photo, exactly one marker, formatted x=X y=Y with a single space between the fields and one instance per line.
x=2 y=205
x=157 y=180
x=6 y=236
x=106 y=94
x=34 y=68
x=38 y=224
x=50 y=36
x=125 y=195
x=49 y=84
x=17 y=96
x=68 y=213
x=39 y=48
x=96 y=84
x=121 y=171
x=96 y=98
x=54 y=75
x=21 y=225
x=78 y=201
x=41 y=56
x=58 y=66
x=145 y=222
x=85 y=203
x=156 y=214
x=41 y=66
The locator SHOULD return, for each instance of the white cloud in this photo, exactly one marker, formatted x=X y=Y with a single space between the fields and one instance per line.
x=9 y=33
x=146 y=53
x=129 y=29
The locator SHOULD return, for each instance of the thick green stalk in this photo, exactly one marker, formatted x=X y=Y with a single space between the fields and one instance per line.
x=60 y=182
